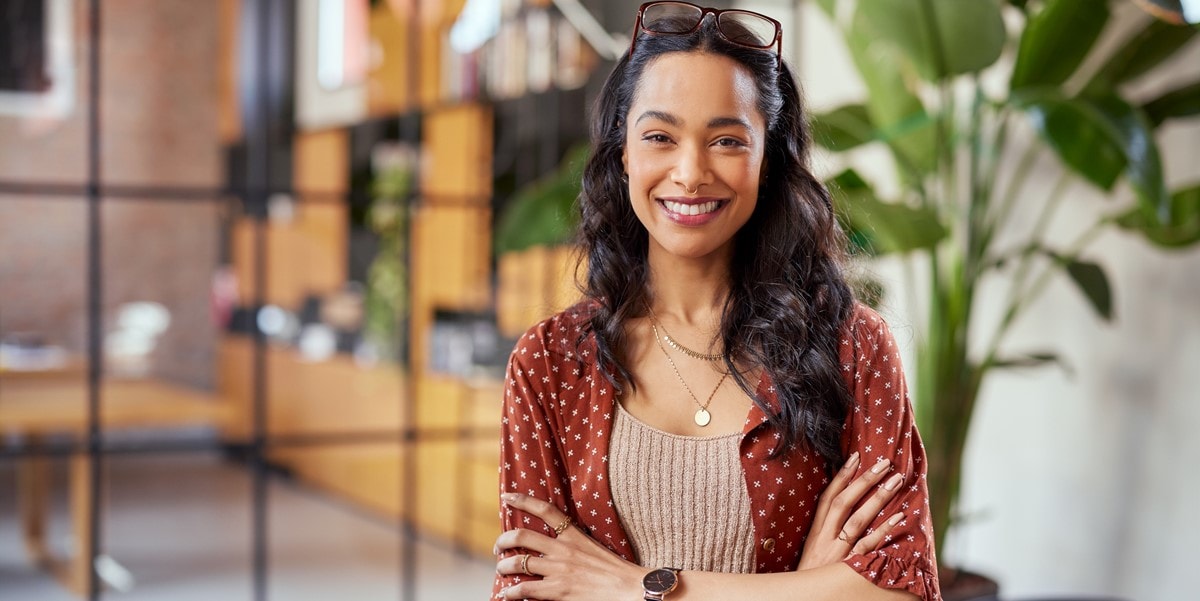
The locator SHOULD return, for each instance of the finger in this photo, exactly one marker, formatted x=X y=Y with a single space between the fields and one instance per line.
x=878 y=536
x=548 y=513
x=518 y=565
x=518 y=591
x=857 y=523
x=531 y=589
x=523 y=538
x=844 y=502
x=840 y=480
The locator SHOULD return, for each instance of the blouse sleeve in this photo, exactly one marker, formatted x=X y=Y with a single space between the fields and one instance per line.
x=881 y=426
x=529 y=453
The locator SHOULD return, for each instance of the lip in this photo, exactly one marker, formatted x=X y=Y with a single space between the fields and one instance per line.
x=664 y=203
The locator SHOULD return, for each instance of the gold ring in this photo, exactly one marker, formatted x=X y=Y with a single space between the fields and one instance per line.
x=525 y=565
x=842 y=537
x=559 y=529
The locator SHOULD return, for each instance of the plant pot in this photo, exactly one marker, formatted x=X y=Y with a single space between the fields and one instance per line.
x=962 y=585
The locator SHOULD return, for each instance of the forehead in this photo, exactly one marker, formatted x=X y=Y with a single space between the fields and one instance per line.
x=699 y=85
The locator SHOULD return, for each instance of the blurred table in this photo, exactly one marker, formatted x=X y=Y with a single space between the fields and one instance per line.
x=34 y=406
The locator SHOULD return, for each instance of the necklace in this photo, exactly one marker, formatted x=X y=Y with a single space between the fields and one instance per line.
x=675 y=344
x=702 y=417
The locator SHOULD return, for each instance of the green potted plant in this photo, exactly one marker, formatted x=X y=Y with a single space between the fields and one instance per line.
x=923 y=63
x=543 y=212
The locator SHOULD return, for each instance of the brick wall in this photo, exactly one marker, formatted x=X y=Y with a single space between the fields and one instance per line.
x=159 y=127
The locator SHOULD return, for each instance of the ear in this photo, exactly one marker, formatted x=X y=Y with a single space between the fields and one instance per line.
x=625 y=160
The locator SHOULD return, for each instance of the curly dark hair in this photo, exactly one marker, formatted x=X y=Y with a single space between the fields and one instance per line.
x=788 y=297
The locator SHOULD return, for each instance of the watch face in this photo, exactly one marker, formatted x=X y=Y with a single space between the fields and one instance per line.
x=660 y=581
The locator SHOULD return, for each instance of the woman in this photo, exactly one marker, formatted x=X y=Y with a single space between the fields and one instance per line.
x=719 y=419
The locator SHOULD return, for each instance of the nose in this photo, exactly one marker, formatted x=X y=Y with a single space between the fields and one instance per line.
x=691 y=171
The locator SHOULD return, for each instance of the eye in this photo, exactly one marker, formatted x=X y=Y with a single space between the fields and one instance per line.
x=730 y=143
x=656 y=139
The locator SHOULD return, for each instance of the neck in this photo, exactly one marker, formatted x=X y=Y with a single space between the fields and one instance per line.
x=691 y=291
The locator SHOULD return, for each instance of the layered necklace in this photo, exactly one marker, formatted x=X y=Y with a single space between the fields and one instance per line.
x=702 y=417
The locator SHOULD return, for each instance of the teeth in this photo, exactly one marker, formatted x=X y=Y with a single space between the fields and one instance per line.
x=692 y=209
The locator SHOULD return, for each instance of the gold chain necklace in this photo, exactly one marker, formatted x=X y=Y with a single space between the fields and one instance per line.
x=675 y=344
x=702 y=417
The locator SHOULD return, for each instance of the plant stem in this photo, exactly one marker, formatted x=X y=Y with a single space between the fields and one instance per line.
x=1019 y=295
x=1019 y=177
x=975 y=209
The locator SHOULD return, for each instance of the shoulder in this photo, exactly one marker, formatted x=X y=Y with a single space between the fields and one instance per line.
x=866 y=338
x=564 y=336
x=864 y=325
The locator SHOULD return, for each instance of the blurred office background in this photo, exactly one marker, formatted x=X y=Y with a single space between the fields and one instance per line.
x=262 y=262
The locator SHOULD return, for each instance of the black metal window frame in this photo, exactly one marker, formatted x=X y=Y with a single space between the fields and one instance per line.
x=256 y=171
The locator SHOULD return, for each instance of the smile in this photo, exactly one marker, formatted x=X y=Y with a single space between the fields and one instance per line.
x=692 y=209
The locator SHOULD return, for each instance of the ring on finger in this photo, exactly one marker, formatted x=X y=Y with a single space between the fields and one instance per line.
x=562 y=527
x=525 y=565
x=842 y=536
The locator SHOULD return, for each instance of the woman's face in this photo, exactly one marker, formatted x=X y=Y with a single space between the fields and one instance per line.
x=694 y=146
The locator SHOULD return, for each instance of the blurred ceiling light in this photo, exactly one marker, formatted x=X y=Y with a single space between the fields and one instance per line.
x=342 y=48
x=480 y=20
x=476 y=24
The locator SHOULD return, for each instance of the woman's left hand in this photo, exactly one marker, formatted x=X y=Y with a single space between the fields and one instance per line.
x=572 y=566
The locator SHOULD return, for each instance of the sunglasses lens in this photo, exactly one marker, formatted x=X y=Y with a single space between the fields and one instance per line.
x=747 y=29
x=670 y=17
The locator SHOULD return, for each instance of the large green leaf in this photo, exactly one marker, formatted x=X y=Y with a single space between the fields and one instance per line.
x=843 y=128
x=1077 y=133
x=891 y=103
x=1182 y=228
x=1135 y=135
x=941 y=38
x=1180 y=102
x=1056 y=40
x=883 y=227
x=1148 y=48
x=1101 y=138
x=1093 y=283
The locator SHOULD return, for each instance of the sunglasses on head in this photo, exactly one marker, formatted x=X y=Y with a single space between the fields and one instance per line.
x=742 y=27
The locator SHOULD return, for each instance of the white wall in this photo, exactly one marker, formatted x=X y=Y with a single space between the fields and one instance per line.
x=1083 y=483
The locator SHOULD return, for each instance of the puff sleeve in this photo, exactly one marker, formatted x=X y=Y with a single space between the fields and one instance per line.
x=530 y=459
x=881 y=426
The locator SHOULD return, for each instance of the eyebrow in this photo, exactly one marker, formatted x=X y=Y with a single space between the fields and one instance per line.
x=660 y=115
x=727 y=121
x=674 y=121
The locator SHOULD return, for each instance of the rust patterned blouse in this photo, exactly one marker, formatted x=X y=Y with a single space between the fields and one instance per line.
x=557 y=423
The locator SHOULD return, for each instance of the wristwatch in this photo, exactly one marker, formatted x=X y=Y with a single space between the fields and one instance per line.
x=658 y=583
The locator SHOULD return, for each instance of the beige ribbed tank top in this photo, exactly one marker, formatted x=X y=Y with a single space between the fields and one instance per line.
x=681 y=499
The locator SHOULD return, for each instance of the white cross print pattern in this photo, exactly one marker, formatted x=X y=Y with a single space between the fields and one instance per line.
x=556 y=426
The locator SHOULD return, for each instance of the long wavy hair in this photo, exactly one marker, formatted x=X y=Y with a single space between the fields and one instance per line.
x=788 y=298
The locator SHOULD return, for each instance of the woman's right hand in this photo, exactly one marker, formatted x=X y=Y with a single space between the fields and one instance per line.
x=836 y=532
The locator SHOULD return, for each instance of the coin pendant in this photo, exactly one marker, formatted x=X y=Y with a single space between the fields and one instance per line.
x=703 y=417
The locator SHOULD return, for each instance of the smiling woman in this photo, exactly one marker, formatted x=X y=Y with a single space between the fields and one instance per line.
x=694 y=153
x=720 y=418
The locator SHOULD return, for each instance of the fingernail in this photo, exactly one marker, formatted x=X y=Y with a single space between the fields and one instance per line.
x=495 y=550
x=893 y=482
x=852 y=460
x=896 y=518
x=879 y=467
x=508 y=497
